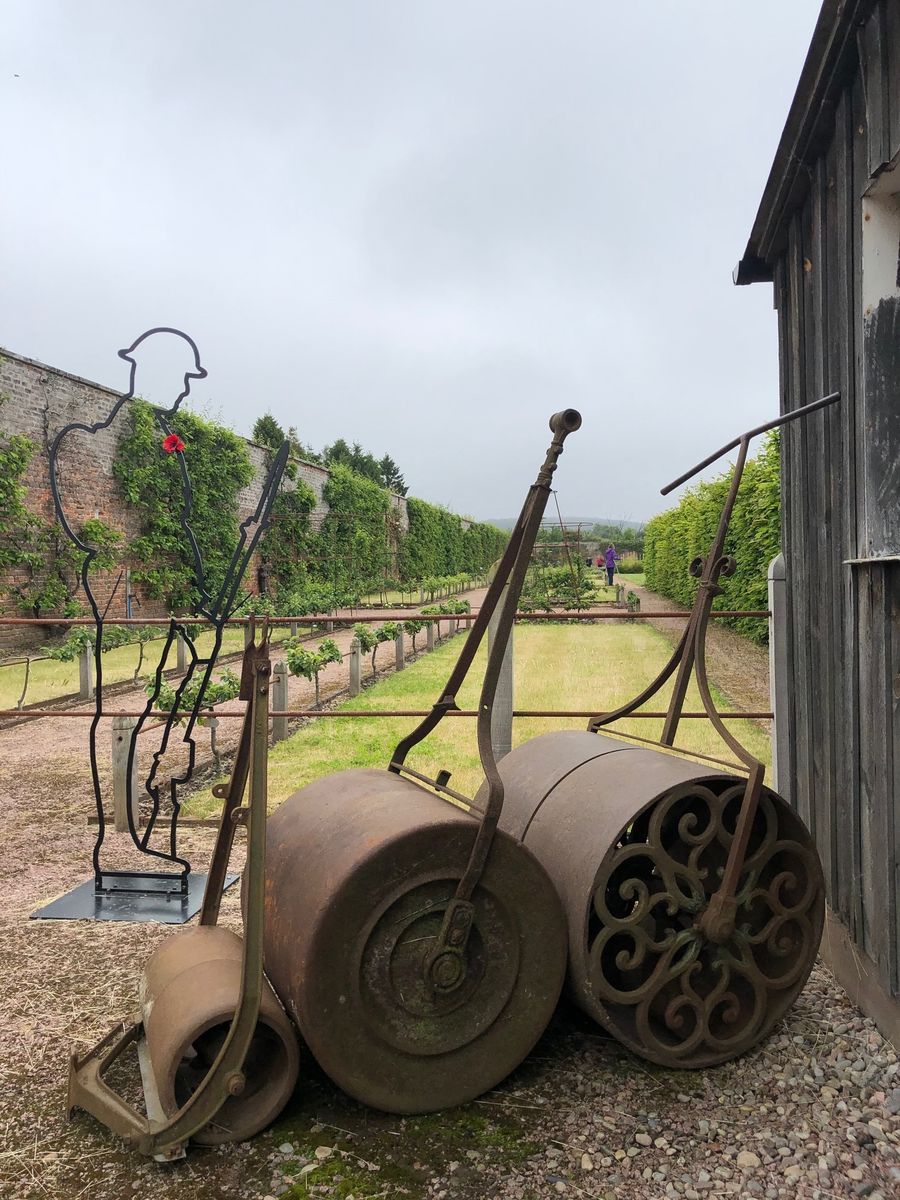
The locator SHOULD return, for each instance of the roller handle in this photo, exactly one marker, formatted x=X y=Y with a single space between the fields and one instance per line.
x=445 y=965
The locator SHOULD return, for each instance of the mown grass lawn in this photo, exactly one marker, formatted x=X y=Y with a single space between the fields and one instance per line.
x=555 y=666
x=49 y=679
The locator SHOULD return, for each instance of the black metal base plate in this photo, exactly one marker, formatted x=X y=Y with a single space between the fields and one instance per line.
x=128 y=903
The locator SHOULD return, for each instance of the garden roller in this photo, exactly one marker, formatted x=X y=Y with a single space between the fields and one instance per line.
x=694 y=896
x=218 y=1056
x=420 y=950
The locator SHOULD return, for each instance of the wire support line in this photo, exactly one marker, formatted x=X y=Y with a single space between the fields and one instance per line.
x=562 y=714
x=395 y=615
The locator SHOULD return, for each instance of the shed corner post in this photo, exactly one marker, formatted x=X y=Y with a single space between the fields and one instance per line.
x=779 y=676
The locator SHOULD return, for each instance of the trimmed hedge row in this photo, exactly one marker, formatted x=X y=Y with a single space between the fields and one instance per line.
x=674 y=538
x=438 y=544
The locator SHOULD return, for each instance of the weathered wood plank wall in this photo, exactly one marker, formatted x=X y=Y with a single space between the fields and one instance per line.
x=841 y=480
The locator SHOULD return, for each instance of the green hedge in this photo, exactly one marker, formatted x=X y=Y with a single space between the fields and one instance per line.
x=674 y=538
x=352 y=550
x=438 y=544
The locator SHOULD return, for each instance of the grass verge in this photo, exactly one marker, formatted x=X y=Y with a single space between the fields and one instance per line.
x=555 y=667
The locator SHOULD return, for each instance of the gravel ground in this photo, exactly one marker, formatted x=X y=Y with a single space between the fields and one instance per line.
x=812 y=1112
x=739 y=667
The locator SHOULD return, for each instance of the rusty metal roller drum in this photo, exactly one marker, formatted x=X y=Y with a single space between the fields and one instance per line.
x=189 y=992
x=636 y=842
x=361 y=867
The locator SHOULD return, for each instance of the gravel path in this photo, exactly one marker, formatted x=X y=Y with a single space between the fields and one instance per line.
x=739 y=667
x=813 y=1112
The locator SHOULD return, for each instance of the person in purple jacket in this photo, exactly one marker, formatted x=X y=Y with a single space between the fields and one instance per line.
x=611 y=558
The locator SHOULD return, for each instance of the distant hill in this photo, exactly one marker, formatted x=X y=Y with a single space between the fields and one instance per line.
x=587 y=522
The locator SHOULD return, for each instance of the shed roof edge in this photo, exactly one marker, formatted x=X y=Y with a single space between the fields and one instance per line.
x=831 y=54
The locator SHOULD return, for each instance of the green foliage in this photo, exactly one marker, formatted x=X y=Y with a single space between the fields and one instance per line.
x=384 y=471
x=219 y=467
x=309 y=663
x=676 y=537
x=365 y=635
x=352 y=548
x=14 y=459
x=37 y=550
x=571 y=588
x=389 y=631
x=312 y=597
x=288 y=541
x=105 y=541
x=413 y=628
x=268 y=432
x=217 y=691
x=113 y=637
x=437 y=544
x=257 y=606
x=630 y=566
x=625 y=538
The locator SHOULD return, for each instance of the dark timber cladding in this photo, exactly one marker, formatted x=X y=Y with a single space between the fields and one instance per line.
x=827 y=236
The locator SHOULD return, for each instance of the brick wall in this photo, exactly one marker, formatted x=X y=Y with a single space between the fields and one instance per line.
x=38 y=401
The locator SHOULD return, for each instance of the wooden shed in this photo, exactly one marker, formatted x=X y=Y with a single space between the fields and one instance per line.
x=827 y=236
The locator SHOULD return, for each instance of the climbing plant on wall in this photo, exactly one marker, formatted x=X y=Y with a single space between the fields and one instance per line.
x=219 y=467
x=437 y=543
x=40 y=563
x=288 y=541
x=352 y=549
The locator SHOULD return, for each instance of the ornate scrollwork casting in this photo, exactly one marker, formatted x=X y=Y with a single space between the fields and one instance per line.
x=662 y=981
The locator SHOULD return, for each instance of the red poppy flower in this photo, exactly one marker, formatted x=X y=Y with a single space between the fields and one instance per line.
x=173 y=444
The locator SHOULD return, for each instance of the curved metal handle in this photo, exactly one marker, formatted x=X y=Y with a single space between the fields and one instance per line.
x=444 y=965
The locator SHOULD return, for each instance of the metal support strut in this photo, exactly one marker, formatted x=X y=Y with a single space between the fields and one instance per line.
x=444 y=965
x=165 y=1137
x=717 y=920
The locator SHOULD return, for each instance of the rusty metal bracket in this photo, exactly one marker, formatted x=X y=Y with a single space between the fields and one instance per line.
x=689 y=658
x=165 y=1138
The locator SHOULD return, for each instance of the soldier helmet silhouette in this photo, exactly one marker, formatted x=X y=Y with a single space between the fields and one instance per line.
x=177 y=343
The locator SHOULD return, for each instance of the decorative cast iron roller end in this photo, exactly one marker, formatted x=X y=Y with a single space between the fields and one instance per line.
x=637 y=842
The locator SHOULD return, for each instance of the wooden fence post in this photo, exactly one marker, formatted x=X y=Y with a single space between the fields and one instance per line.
x=779 y=677
x=501 y=718
x=399 y=652
x=295 y=625
x=86 y=672
x=429 y=636
x=180 y=654
x=247 y=635
x=355 y=667
x=279 y=701
x=122 y=792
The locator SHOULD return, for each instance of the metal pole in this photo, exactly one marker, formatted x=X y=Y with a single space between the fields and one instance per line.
x=279 y=702
x=779 y=677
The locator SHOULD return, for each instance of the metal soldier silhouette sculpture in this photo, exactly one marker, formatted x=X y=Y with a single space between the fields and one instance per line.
x=147 y=895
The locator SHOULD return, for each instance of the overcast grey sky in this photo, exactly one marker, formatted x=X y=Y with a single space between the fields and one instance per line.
x=423 y=226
